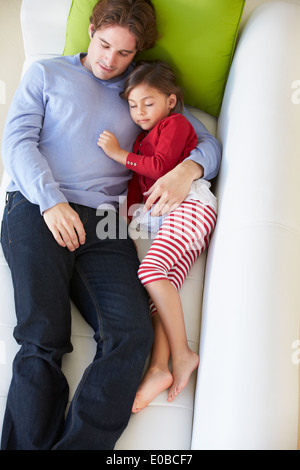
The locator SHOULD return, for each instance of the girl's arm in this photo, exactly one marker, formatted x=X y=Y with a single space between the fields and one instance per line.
x=167 y=145
x=171 y=189
x=204 y=162
x=206 y=155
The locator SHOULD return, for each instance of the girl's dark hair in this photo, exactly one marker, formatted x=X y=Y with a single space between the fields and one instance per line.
x=157 y=74
x=137 y=15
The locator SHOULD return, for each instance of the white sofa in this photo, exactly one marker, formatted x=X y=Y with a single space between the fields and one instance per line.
x=245 y=394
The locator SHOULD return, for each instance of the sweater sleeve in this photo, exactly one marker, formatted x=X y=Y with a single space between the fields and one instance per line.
x=168 y=148
x=208 y=150
x=22 y=158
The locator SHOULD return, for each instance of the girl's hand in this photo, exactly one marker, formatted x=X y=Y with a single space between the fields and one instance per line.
x=110 y=145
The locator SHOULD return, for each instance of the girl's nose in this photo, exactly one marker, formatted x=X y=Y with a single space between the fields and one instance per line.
x=141 y=110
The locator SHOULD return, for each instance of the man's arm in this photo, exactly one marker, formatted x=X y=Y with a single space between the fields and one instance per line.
x=22 y=158
x=204 y=162
x=172 y=188
x=27 y=166
x=208 y=151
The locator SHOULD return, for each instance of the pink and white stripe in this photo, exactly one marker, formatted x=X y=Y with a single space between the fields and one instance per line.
x=183 y=236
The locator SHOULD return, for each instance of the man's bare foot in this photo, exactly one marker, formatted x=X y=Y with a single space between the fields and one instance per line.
x=155 y=381
x=182 y=370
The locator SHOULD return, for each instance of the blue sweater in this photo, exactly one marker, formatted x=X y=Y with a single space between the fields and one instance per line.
x=49 y=144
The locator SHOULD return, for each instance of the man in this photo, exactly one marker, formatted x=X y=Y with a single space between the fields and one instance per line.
x=49 y=237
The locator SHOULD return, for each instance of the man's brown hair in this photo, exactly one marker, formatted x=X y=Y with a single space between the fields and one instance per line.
x=137 y=15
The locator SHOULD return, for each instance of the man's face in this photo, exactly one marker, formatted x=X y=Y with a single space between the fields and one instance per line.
x=110 y=52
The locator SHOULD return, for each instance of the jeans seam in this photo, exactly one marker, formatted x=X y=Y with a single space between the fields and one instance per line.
x=87 y=371
x=74 y=399
x=98 y=310
x=13 y=206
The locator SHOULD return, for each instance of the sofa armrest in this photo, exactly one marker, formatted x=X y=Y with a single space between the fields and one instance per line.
x=43 y=38
x=247 y=392
x=43 y=25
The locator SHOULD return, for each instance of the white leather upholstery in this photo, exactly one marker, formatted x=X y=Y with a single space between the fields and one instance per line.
x=247 y=394
x=44 y=27
x=247 y=388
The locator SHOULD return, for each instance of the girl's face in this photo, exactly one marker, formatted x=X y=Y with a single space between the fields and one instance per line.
x=110 y=52
x=148 y=106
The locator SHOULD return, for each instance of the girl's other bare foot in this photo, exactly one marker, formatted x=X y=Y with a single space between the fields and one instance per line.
x=182 y=370
x=155 y=381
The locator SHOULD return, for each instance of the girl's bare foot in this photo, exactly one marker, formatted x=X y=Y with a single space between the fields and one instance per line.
x=182 y=370
x=155 y=381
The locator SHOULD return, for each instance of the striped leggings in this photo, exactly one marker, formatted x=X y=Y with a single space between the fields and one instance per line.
x=183 y=236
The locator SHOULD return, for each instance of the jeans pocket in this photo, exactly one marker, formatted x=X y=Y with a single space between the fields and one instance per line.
x=13 y=200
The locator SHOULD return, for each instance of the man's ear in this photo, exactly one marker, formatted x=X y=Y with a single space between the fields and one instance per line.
x=172 y=101
x=91 y=30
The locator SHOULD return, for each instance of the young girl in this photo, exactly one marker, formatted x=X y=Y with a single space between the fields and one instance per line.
x=168 y=138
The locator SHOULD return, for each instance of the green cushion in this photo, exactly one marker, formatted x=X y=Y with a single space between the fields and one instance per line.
x=197 y=39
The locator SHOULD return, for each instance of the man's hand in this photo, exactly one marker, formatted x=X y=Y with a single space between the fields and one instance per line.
x=65 y=226
x=172 y=188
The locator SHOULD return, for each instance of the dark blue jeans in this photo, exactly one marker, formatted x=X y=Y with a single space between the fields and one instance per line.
x=101 y=279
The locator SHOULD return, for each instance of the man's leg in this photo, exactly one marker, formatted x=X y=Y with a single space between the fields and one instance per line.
x=41 y=270
x=108 y=293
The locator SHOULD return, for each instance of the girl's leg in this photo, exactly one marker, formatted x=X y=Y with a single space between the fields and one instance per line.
x=158 y=377
x=184 y=235
x=184 y=360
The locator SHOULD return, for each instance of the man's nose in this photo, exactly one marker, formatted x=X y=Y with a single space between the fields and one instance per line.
x=110 y=59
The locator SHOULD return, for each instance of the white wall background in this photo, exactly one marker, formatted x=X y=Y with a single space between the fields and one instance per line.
x=11 y=56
